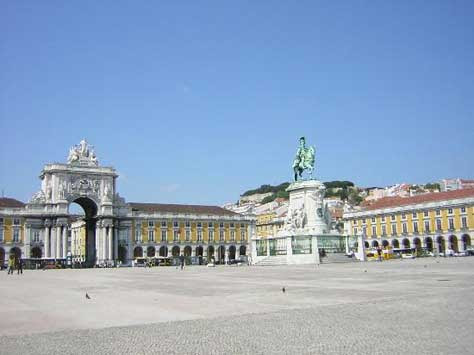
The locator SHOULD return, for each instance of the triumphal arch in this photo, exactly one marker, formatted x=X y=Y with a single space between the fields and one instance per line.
x=111 y=229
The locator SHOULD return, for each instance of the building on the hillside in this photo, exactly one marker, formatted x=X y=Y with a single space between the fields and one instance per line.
x=112 y=230
x=455 y=184
x=433 y=221
x=255 y=198
x=397 y=190
x=269 y=223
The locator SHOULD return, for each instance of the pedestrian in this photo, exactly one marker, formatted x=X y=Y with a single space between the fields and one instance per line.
x=11 y=264
x=19 y=266
x=379 y=253
x=181 y=259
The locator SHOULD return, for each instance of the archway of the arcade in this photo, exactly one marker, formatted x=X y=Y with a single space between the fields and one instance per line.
x=138 y=252
x=210 y=252
x=453 y=243
x=16 y=252
x=175 y=251
x=36 y=252
x=163 y=251
x=440 y=242
x=2 y=256
x=90 y=213
x=232 y=252
x=187 y=250
x=395 y=244
x=220 y=255
x=243 y=250
x=429 y=243
x=150 y=251
x=466 y=241
x=199 y=251
x=122 y=254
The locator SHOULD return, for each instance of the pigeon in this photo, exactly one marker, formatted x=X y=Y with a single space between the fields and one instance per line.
x=87 y=296
x=365 y=270
x=283 y=290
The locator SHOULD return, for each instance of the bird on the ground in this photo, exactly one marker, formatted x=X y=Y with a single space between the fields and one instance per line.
x=283 y=290
x=365 y=270
x=87 y=296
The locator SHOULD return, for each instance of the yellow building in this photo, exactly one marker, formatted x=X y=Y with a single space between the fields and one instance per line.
x=434 y=221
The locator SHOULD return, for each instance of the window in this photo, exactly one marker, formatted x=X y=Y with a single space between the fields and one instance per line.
x=425 y=213
x=427 y=226
x=164 y=235
x=355 y=231
x=138 y=233
x=36 y=236
x=242 y=225
x=464 y=222
x=404 y=216
x=373 y=219
x=354 y=221
x=374 y=231
x=123 y=234
x=175 y=224
x=384 y=230
x=383 y=218
x=438 y=212
x=1 y=233
x=438 y=225
x=364 y=231
x=188 y=224
x=242 y=235
x=163 y=224
x=188 y=236
x=232 y=225
x=450 y=211
x=151 y=235
x=151 y=224
x=451 y=224
x=16 y=221
x=211 y=225
x=199 y=225
x=404 y=228
x=211 y=235
x=199 y=235
x=176 y=236
x=1 y=220
x=414 y=215
x=221 y=235
x=232 y=235
x=394 y=228
x=221 y=225
x=463 y=209
x=415 y=227
x=16 y=235
x=392 y=217
x=363 y=221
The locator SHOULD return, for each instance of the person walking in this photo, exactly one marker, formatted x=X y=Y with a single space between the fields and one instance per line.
x=181 y=259
x=11 y=264
x=19 y=266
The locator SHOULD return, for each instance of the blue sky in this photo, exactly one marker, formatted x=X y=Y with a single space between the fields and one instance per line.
x=196 y=102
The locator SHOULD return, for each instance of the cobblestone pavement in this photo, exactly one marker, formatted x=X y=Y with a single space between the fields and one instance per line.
x=422 y=306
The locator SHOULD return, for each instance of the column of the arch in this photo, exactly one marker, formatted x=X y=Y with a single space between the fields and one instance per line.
x=104 y=242
x=97 y=242
x=27 y=242
x=110 y=255
x=64 y=241
x=47 y=232
x=115 y=256
x=53 y=242
x=58 y=241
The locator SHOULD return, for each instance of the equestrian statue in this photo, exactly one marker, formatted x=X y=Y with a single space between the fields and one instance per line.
x=304 y=160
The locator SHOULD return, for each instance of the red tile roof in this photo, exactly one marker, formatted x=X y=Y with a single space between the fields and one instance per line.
x=388 y=202
x=10 y=203
x=189 y=209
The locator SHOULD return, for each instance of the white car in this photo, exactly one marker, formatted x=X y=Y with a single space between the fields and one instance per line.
x=408 y=256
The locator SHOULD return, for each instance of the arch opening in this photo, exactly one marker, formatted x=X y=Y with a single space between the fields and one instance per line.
x=83 y=211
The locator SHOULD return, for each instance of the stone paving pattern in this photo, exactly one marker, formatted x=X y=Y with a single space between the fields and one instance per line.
x=422 y=306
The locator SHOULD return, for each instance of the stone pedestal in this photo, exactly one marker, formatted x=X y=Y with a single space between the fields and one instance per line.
x=306 y=210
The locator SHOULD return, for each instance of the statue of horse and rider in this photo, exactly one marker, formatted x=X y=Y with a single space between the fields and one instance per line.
x=304 y=160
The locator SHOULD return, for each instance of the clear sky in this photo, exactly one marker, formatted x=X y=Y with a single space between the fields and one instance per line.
x=198 y=101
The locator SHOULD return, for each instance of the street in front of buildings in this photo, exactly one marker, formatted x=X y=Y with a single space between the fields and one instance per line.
x=420 y=306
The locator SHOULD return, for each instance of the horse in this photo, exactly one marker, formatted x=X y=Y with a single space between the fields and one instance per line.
x=304 y=161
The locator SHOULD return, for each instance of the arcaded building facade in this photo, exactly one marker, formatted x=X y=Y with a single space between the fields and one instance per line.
x=111 y=228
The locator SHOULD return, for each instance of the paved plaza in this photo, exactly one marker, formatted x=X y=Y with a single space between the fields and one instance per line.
x=421 y=306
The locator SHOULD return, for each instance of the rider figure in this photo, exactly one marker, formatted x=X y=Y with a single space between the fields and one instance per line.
x=299 y=159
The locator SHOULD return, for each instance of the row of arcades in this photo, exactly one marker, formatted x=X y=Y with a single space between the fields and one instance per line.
x=439 y=243
x=220 y=253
